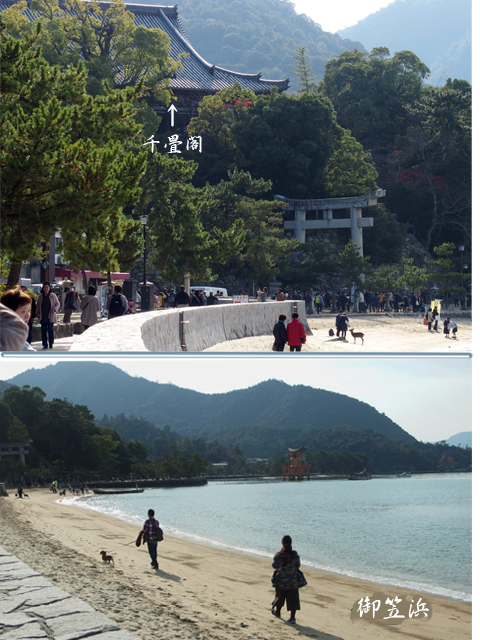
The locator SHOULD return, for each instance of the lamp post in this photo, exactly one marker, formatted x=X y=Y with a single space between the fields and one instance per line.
x=144 y=220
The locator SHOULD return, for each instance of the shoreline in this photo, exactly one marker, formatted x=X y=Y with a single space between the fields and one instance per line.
x=199 y=591
x=377 y=581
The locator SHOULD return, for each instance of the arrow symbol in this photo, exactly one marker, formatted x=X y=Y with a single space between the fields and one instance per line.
x=172 y=116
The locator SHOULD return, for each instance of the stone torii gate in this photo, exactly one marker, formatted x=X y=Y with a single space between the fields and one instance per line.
x=326 y=206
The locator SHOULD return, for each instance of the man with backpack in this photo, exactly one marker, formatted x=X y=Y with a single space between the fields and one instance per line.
x=152 y=535
x=117 y=304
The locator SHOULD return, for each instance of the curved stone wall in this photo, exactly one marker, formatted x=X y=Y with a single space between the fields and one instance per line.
x=203 y=327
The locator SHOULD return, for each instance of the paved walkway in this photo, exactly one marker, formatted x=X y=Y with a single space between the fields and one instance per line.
x=60 y=344
x=33 y=608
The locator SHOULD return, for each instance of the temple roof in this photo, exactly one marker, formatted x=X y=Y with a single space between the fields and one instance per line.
x=197 y=73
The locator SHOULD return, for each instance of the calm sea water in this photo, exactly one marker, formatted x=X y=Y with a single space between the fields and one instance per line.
x=410 y=532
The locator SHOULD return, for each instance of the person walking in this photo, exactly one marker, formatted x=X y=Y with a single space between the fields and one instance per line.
x=319 y=301
x=287 y=580
x=280 y=333
x=182 y=299
x=343 y=325
x=308 y=303
x=430 y=319
x=117 y=304
x=296 y=333
x=153 y=535
x=453 y=326
x=47 y=307
x=90 y=306
x=69 y=305
x=446 y=327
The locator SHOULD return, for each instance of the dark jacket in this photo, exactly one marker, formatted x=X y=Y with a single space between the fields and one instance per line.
x=287 y=574
x=182 y=297
x=280 y=334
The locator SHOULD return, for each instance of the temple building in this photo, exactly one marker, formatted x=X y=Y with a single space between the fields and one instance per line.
x=198 y=77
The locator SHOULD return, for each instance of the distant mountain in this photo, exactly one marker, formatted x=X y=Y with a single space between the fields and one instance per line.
x=257 y=36
x=439 y=32
x=107 y=390
x=462 y=439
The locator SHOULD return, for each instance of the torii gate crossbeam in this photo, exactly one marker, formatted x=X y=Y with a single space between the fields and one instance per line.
x=327 y=205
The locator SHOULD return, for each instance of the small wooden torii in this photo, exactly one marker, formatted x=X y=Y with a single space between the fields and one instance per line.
x=296 y=468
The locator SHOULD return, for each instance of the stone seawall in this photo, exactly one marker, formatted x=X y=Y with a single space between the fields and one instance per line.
x=202 y=327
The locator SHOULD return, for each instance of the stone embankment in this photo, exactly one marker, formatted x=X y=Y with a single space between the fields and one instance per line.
x=187 y=329
x=32 y=607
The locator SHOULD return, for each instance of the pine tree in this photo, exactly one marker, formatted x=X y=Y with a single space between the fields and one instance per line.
x=303 y=71
x=64 y=160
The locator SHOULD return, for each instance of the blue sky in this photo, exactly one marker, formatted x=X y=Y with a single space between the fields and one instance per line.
x=428 y=396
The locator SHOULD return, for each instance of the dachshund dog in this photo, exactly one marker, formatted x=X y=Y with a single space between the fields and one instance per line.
x=106 y=558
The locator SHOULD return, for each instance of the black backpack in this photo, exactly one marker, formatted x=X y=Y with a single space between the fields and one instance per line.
x=116 y=306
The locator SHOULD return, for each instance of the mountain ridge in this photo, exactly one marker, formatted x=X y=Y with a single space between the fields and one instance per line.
x=107 y=390
x=440 y=34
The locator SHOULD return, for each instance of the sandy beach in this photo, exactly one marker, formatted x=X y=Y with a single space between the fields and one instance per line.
x=385 y=334
x=199 y=591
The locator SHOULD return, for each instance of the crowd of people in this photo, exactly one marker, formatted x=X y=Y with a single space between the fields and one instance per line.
x=45 y=309
x=368 y=301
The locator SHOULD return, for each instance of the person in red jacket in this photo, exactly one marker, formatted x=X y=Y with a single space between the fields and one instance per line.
x=296 y=333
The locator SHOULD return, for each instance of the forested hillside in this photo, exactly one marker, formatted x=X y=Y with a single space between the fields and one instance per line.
x=65 y=439
x=438 y=31
x=270 y=404
x=257 y=36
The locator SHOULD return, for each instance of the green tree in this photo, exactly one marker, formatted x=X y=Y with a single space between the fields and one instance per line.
x=11 y=429
x=351 y=267
x=303 y=71
x=285 y=139
x=414 y=278
x=372 y=91
x=349 y=171
x=215 y=120
x=63 y=159
x=177 y=238
x=442 y=271
x=238 y=200
x=289 y=141
x=385 y=278
x=105 y=37
x=386 y=239
x=433 y=159
x=309 y=268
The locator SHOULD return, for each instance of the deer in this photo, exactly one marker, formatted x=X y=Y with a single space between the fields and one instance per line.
x=356 y=335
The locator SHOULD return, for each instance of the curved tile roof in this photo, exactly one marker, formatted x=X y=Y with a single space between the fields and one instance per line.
x=197 y=73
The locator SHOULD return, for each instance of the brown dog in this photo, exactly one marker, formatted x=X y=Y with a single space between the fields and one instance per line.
x=106 y=558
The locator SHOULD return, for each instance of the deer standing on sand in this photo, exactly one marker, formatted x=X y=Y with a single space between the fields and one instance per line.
x=356 y=335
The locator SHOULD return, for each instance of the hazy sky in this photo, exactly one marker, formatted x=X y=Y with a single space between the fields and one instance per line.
x=428 y=396
x=339 y=14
